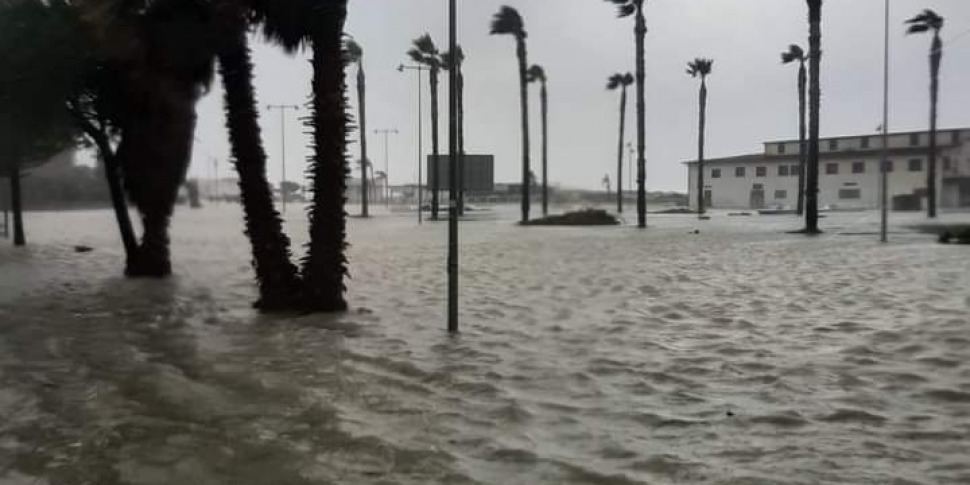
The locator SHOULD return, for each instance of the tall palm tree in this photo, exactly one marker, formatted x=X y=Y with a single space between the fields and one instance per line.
x=538 y=74
x=796 y=54
x=456 y=61
x=426 y=53
x=508 y=22
x=276 y=275
x=925 y=22
x=355 y=55
x=621 y=82
x=325 y=264
x=814 y=107
x=626 y=9
x=701 y=68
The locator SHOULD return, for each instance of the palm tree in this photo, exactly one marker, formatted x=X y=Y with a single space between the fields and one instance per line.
x=815 y=98
x=455 y=62
x=426 y=53
x=795 y=53
x=276 y=275
x=355 y=55
x=701 y=68
x=538 y=74
x=325 y=264
x=621 y=82
x=508 y=22
x=925 y=22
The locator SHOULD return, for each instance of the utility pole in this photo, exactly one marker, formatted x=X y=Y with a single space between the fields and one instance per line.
x=453 y=171
x=419 y=68
x=387 y=132
x=883 y=167
x=282 y=109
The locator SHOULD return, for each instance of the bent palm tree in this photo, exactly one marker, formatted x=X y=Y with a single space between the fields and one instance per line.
x=456 y=61
x=426 y=53
x=508 y=22
x=626 y=9
x=815 y=98
x=796 y=54
x=355 y=55
x=538 y=74
x=701 y=68
x=621 y=82
x=925 y=22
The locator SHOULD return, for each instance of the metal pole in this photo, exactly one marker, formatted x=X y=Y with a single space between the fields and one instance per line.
x=420 y=148
x=453 y=173
x=629 y=164
x=884 y=174
x=282 y=108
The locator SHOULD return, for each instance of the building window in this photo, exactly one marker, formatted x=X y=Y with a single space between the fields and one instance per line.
x=831 y=169
x=715 y=173
x=850 y=194
x=758 y=187
x=850 y=184
x=761 y=171
x=794 y=171
x=914 y=140
x=781 y=194
x=864 y=142
x=947 y=164
x=887 y=166
x=956 y=137
x=916 y=165
x=833 y=145
x=781 y=148
x=739 y=171
x=858 y=167
x=783 y=170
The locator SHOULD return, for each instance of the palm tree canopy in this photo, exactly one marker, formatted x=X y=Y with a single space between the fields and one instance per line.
x=795 y=53
x=536 y=73
x=447 y=61
x=508 y=22
x=353 y=51
x=425 y=52
x=700 y=67
x=619 y=80
x=928 y=20
x=627 y=7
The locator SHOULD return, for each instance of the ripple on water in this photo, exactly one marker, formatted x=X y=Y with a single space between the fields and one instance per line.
x=857 y=416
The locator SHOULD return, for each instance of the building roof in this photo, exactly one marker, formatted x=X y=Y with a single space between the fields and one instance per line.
x=873 y=135
x=751 y=158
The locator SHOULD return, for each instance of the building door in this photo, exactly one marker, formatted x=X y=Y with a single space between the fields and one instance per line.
x=757 y=198
x=708 y=198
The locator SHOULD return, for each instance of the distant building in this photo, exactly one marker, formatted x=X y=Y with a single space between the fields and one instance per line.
x=848 y=173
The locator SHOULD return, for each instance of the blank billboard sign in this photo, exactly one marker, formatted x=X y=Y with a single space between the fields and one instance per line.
x=479 y=172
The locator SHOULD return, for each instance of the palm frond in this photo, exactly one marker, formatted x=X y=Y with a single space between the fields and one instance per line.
x=628 y=79
x=925 y=21
x=626 y=8
x=700 y=67
x=354 y=52
x=614 y=82
x=448 y=60
x=508 y=22
x=425 y=52
x=536 y=73
x=795 y=53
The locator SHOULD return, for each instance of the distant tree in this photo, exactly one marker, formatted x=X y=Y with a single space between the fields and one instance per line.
x=426 y=53
x=538 y=74
x=621 y=82
x=634 y=8
x=926 y=22
x=355 y=55
x=508 y=22
x=815 y=98
x=796 y=54
x=701 y=68
x=456 y=62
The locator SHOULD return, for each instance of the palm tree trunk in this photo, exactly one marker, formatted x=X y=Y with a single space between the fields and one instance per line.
x=936 y=56
x=520 y=51
x=815 y=95
x=435 y=182
x=362 y=108
x=619 y=153
x=461 y=141
x=276 y=275
x=802 y=147
x=700 y=147
x=16 y=205
x=325 y=264
x=544 y=96
x=641 y=34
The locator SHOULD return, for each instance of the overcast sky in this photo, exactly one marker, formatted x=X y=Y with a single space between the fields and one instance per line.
x=580 y=43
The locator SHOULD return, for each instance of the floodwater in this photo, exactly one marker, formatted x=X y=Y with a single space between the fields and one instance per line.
x=739 y=355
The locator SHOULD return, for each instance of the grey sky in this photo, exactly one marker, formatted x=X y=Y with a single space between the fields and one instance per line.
x=580 y=43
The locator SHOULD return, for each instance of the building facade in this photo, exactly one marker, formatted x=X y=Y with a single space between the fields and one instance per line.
x=848 y=173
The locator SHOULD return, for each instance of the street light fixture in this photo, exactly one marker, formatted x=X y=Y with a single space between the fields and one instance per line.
x=418 y=68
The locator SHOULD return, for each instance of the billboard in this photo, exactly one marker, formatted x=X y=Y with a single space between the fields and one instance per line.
x=479 y=172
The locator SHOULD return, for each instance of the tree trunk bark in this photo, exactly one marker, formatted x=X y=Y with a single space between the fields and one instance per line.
x=544 y=95
x=641 y=34
x=521 y=54
x=325 y=265
x=700 y=148
x=362 y=101
x=619 y=152
x=802 y=147
x=16 y=206
x=461 y=141
x=815 y=95
x=936 y=56
x=435 y=158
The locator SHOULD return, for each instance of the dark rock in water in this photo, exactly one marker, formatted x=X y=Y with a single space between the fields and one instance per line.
x=83 y=249
x=586 y=217
x=696 y=231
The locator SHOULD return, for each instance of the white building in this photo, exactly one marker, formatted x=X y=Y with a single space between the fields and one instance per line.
x=848 y=173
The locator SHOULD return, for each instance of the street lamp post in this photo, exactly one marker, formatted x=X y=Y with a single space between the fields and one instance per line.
x=387 y=132
x=883 y=167
x=282 y=109
x=419 y=68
